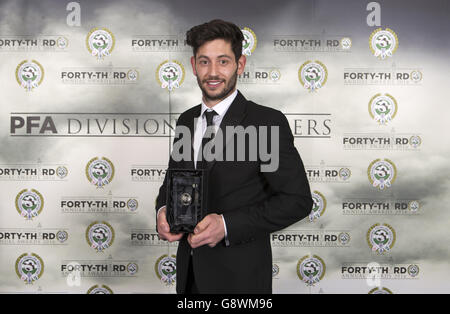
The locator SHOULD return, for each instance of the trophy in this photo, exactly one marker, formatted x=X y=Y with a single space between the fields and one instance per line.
x=186 y=199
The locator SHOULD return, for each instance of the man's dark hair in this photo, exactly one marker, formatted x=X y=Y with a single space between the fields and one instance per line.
x=216 y=29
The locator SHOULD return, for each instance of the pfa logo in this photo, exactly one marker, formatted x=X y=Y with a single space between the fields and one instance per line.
x=29 y=74
x=379 y=290
x=313 y=75
x=346 y=43
x=62 y=236
x=170 y=74
x=249 y=42
x=132 y=268
x=383 y=108
x=413 y=270
x=103 y=289
x=132 y=75
x=383 y=43
x=275 y=75
x=415 y=141
x=416 y=76
x=382 y=173
x=345 y=174
x=319 y=206
x=344 y=238
x=132 y=204
x=29 y=204
x=100 y=42
x=62 y=42
x=100 y=235
x=100 y=172
x=62 y=172
x=414 y=206
x=311 y=269
x=166 y=269
x=381 y=238
x=29 y=267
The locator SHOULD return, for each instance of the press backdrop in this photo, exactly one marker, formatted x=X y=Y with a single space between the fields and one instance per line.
x=90 y=94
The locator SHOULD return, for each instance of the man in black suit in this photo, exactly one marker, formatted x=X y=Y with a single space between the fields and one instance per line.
x=230 y=250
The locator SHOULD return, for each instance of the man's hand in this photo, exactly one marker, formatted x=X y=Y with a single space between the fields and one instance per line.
x=163 y=227
x=208 y=231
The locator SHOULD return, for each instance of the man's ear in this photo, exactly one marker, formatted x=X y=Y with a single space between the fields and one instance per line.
x=193 y=65
x=241 y=64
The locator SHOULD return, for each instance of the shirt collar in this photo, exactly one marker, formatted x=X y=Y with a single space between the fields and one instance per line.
x=222 y=106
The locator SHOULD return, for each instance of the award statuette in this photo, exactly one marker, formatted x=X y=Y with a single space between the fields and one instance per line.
x=186 y=199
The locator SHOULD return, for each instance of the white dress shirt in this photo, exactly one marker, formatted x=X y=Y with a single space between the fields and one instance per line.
x=221 y=109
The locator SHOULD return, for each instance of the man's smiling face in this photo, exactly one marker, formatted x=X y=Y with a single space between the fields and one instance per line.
x=216 y=69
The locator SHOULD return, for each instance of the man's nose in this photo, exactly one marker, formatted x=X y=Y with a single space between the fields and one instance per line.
x=213 y=70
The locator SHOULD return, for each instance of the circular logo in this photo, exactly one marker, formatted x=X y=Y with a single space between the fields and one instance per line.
x=170 y=74
x=345 y=174
x=132 y=75
x=132 y=268
x=29 y=74
x=383 y=43
x=100 y=290
x=275 y=270
x=29 y=204
x=275 y=75
x=132 y=204
x=382 y=173
x=380 y=291
x=414 y=206
x=100 y=235
x=100 y=42
x=62 y=172
x=381 y=238
x=344 y=238
x=100 y=172
x=62 y=236
x=312 y=75
x=62 y=42
x=413 y=270
x=415 y=141
x=166 y=269
x=346 y=43
x=416 y=76
x=319 y=206
x=29 y=267
x=311 y=270
x=249 y=42
x=383 y=108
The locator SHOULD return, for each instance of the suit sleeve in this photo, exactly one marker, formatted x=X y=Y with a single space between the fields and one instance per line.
x=290 y=200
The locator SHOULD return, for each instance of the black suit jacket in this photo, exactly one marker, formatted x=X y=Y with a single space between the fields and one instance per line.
x=253 y=203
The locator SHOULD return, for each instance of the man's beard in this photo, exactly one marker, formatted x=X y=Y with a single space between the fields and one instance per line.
x=226 y=90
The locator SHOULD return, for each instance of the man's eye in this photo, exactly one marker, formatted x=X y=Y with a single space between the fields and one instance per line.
x=223 y=62
x=203 y=62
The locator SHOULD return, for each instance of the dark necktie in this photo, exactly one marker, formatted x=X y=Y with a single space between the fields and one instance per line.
x=209 y=122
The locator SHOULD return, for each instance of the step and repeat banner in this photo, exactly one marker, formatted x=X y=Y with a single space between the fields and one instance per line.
x=91 y=92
